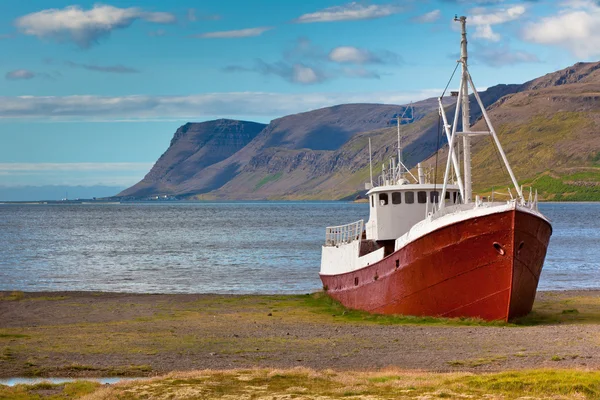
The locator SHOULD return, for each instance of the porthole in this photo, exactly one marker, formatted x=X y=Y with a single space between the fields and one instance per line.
x=520 y=247
x=499 y=248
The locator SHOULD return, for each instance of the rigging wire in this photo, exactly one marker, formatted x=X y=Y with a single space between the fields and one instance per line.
x=439 y=131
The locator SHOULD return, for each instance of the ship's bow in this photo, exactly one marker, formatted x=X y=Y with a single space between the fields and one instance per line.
x=531 y=236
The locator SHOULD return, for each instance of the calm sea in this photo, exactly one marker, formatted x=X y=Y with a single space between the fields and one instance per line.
x=255 y=247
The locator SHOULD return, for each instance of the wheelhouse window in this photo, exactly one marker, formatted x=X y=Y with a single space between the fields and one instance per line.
x=434 y=197
x=372 y=200
x=383 y=199
x=447 y=197
x=409 y=197
x=422 y=197
x=396 y=198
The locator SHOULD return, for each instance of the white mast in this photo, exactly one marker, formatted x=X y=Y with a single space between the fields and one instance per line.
x=466 y=123
x=370 y=164
x=463 y=103
x=399 y=152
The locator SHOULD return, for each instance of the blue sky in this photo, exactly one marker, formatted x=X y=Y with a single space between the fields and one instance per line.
x=91 y=93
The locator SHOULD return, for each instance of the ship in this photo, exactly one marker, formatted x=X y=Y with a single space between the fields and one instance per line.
x=431 y=249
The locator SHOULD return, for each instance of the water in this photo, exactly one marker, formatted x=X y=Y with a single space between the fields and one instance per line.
x=33 y=381
x=255 y=247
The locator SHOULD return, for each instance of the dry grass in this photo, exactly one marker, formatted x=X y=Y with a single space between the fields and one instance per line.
x=303 y=383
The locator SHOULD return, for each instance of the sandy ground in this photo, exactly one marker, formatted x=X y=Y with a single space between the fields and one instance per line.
x=104 y=334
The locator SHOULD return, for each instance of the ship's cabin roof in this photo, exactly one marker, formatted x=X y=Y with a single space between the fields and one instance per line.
x=412 y=187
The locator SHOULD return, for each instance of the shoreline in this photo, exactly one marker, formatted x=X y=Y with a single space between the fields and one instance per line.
x=100 y=334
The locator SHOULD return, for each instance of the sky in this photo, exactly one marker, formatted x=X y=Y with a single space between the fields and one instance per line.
x=91 y=93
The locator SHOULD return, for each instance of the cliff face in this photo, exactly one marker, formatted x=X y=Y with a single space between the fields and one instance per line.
x=548 y=127
x=194 y=147
x=205 y=157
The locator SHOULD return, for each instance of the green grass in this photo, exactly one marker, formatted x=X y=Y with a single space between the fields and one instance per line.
x=267 y=179
x=555 y=309
x=323 y=304
x=534 y=148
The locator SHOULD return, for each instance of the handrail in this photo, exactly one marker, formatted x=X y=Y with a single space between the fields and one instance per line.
x=335 y=235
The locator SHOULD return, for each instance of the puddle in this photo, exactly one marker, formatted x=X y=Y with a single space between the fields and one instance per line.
x=33 y=381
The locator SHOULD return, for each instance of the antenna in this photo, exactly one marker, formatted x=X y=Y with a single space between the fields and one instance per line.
x=370 y=163
x=399 y=119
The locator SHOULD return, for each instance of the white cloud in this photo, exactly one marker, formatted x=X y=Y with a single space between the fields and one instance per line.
x=304 y=74
x=20 y=74
x=576 y=28
x=249 y=32
x=209 y=105
x=352 y=55
x=85 y=27
x=483 y=20
x=429 y=17
x=350 y=11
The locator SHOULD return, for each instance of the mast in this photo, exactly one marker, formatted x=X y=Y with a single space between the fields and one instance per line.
x=400 y=164
x=370 y=164
x=466 y=123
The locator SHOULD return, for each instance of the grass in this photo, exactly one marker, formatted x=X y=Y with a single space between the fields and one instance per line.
x=18 y=296
x=302 y=383
x=478 y=362
x=320 y=303
x=267 y=179
x=554 y=309
x=247 y=330
x=46 y=390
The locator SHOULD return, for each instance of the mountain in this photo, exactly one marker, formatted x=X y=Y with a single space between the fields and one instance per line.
x=547 y=126
x=206 y=156
x=550 y=131
x=194 y=147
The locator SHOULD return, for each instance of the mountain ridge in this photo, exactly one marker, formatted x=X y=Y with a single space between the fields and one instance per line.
x=323 y=153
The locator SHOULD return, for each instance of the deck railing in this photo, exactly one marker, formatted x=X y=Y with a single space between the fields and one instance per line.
x=335 y=235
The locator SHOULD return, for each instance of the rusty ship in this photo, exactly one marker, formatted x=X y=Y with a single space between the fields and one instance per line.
x=430 y=249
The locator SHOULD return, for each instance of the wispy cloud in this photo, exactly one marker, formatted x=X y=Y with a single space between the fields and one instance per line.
x=20 y=74
x=307 y=63
x=157 y=33
x=429 y=17
x=210 y=105
x=500 y=56
x=292 y=72
x=484 y=19
x=112 y=166
x=192 y=16
x=85 y=27
x=240 y=33
x=116 y=69
x=353 y=55
x=350 y=11
x=574 y=28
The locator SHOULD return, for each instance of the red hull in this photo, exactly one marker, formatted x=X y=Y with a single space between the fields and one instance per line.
x=486 y=267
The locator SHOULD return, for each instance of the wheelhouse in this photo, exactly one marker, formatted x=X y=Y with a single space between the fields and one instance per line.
x=394 y=209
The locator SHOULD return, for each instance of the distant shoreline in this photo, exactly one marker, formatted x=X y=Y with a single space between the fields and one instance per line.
x=113 y=202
